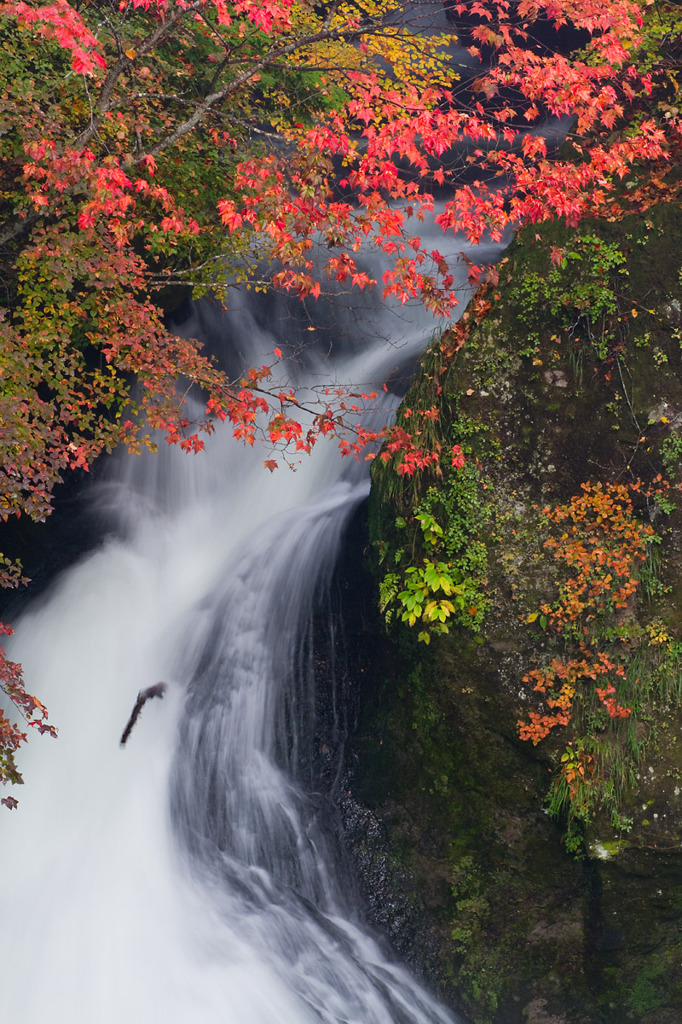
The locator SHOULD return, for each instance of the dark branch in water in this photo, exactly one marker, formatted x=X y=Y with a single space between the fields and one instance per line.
x=157 y=690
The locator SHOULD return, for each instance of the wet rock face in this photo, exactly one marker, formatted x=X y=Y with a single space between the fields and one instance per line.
x=523 y=917
x=386 y=888
x=536 y=1013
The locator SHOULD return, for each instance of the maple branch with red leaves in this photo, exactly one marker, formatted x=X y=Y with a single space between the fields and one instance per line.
x=169 y=139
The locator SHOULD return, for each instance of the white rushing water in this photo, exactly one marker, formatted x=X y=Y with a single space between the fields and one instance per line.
x=189 y=877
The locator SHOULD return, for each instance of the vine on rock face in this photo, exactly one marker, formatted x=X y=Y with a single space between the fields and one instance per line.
x=599 y=548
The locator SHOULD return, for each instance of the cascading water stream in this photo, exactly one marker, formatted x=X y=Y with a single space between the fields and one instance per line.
x=192 y=878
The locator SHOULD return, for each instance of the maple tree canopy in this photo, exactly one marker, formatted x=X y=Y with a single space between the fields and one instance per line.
x=164 y=143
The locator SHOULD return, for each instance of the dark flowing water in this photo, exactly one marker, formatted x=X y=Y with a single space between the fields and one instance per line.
x=192 y=877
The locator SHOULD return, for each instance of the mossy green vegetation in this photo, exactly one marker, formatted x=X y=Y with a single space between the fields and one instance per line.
x=563 y=525
x=444 y=526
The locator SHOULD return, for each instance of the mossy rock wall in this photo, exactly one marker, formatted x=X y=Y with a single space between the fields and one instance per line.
x=517 y=914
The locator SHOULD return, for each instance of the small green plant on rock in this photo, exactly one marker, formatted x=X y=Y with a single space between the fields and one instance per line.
x=448 y=584
x=671 y=454
x=430 y=596
x=577 y=292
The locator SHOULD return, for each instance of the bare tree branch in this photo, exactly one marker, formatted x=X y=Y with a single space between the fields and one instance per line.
x=105 y=99
x=274 y=54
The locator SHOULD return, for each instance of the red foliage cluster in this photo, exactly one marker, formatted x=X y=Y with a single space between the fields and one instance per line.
x=291 y=203
x=601 y=545
x=589 y=666
x=28 y=708
x=418 y=127
x=59 y=21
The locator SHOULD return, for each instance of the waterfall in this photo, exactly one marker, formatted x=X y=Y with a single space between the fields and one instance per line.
x=192 y=877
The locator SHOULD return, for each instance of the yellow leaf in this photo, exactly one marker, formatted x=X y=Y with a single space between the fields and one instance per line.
x=131 y=54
